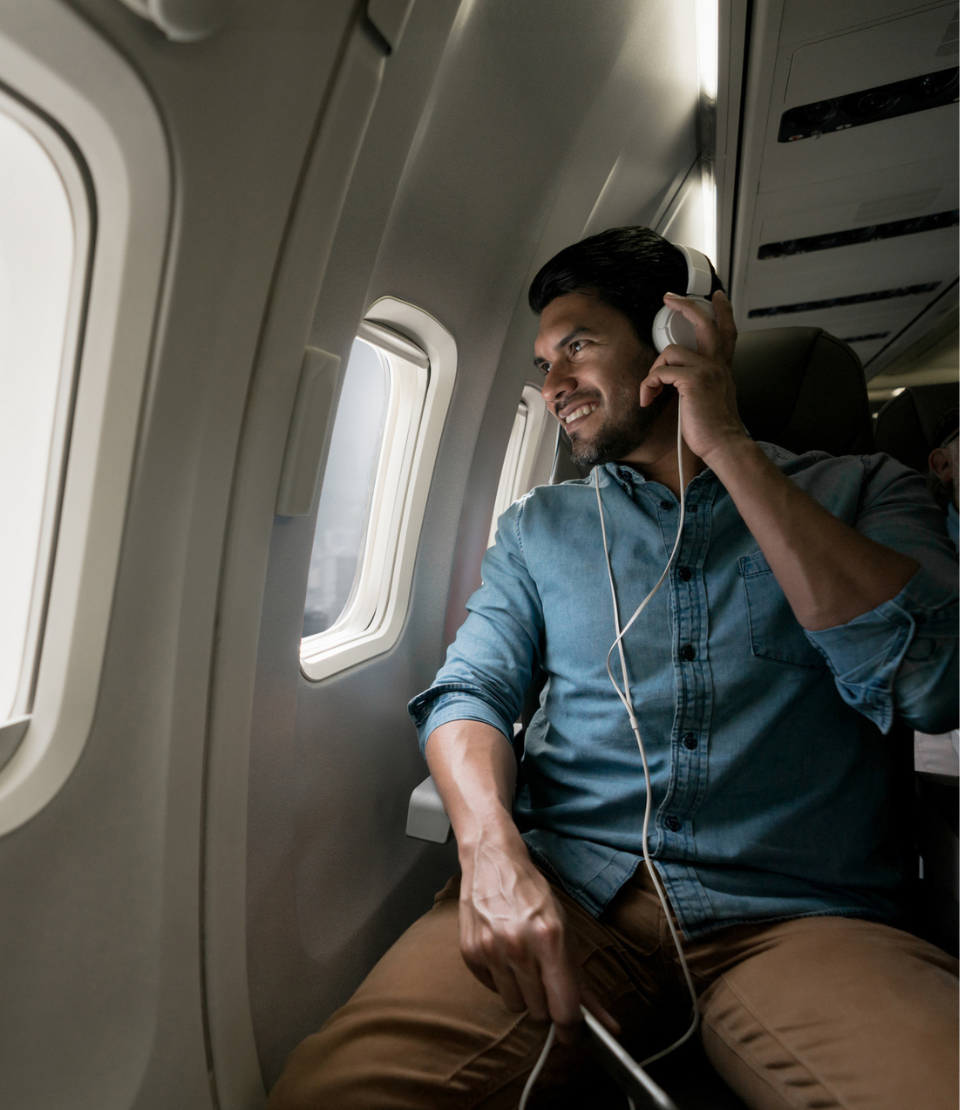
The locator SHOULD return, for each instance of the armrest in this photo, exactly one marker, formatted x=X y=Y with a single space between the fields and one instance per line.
x=426 y=817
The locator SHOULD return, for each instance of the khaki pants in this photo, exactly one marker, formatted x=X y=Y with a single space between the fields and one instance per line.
x=817 y=1012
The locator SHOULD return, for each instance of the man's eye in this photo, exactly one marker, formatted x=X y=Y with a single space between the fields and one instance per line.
x=576 y=346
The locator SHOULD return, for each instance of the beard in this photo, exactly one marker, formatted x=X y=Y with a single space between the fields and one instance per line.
x=618 y=436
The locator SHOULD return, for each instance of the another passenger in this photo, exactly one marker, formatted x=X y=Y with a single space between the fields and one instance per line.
x=944 y=471
x=812 y=598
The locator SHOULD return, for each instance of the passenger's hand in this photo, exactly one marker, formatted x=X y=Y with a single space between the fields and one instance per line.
x=513 y=937
x=702 y=378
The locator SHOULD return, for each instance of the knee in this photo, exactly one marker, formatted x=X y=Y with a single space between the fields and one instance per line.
x=301 y=1084
x=291 y=1092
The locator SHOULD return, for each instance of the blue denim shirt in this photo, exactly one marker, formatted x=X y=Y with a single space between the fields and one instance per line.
x=770 y=786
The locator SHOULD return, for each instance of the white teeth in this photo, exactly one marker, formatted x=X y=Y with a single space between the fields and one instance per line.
x=584 y=410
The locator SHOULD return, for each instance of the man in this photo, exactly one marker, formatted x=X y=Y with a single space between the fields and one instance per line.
x=944 y=468
x=810 y=597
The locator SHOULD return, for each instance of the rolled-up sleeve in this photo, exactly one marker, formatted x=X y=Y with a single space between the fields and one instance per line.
x=497 y=650
x=900 y=659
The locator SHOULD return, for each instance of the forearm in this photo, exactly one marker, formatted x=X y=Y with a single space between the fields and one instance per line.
x=475 y=772
x=512 y=931
x=829 y=573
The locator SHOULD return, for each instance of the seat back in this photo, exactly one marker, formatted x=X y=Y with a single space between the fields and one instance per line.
x=906 y=423
x=804 y=390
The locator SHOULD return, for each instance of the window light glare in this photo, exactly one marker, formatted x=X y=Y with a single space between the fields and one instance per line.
x=708 y=198
x=898 y=391
x=708 y=40
x=36 y=267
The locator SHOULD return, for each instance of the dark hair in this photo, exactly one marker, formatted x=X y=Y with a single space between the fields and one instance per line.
x=946 y=426
x=628 y=268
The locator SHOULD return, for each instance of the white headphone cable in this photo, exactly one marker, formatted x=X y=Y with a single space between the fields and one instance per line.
x=625 y=697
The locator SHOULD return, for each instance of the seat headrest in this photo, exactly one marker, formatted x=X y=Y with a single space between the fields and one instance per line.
x=907 y=422
x=803 y=390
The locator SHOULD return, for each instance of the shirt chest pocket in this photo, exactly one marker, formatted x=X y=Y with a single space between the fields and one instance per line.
x=774 y=631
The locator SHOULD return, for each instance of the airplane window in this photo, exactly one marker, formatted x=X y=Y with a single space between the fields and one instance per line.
x=348 y=487
x=374 y=487
x=529 y=457
x=38 y=249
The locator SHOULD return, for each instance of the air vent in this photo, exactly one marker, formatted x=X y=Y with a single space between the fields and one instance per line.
x=787 y=247
x=865 y=338
x=837 y=302
x=900 y=98
x=949 y=44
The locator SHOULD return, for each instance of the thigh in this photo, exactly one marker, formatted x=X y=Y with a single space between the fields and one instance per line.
x=835 y=1012
x=422 y=1031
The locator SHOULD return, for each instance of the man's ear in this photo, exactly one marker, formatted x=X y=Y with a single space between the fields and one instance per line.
x=939 y=463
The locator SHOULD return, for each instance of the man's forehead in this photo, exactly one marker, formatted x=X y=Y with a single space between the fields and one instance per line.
x=578 y=312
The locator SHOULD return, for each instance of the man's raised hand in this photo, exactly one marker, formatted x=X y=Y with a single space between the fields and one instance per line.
x=702 y=378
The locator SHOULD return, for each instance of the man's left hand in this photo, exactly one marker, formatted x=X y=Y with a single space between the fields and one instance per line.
x=702 y=378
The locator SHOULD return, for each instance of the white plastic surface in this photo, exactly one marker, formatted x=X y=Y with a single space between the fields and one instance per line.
x=324 y=658
x=699 y=277
x=56 y=54
x=426 y=817
x=299 y=481
x=390 y=18
x=673 y=328
x=184 y=20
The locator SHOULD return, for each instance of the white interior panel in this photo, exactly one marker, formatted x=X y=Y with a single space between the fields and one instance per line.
x=815 y=19
x=884 y=145
x=877 y=55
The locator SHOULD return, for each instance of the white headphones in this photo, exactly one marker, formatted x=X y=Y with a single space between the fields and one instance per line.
x=671 y=326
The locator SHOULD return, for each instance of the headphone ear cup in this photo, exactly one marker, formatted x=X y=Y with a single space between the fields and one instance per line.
x=673 y=328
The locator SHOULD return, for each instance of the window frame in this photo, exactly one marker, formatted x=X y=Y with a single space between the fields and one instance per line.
x=56 y=65
x=422 y=357
x=70 y=170
x=524 y=456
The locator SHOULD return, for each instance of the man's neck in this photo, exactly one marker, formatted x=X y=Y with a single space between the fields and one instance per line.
x=656 y=458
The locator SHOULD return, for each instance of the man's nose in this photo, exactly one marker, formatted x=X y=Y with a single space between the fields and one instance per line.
x=558 y=382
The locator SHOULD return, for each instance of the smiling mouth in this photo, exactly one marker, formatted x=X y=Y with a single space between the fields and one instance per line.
x=578 y=414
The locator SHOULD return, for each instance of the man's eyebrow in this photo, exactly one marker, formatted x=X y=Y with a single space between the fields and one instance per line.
x=582 y=329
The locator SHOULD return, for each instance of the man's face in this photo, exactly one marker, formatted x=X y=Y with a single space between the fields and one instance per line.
x=593 y=364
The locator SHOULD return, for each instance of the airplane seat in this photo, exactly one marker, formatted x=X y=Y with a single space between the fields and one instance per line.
x=906 y=424
x=905 y=429
x=804 y=390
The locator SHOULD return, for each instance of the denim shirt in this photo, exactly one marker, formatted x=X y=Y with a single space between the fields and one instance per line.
x=771 y=785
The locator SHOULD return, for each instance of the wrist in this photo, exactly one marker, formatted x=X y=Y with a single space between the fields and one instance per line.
x=494 y=830
x=733 y=450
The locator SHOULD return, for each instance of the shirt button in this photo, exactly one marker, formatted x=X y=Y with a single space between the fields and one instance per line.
x=665 y=504
x=673 y=824
x=623 y=474
x=688 y=652
x=689 y=740
x=684 y=574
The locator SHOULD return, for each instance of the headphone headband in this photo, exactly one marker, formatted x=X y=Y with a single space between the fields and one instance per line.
x=669 y=325
x=699 y=277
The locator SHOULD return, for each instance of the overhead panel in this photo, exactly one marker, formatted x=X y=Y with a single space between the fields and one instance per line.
x=856 y=224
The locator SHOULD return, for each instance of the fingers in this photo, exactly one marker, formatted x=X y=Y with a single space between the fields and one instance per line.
x=561 y=983
x=525 y=960
x=716 y=339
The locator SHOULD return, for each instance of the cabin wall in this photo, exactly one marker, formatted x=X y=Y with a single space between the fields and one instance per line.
x=100 y=921
x=532 y=129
